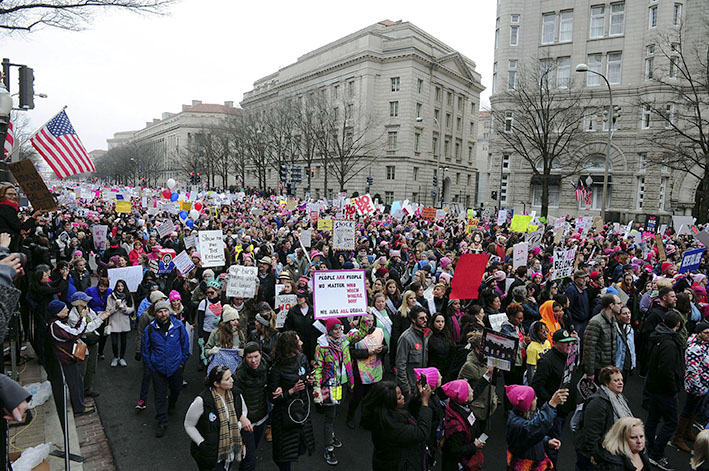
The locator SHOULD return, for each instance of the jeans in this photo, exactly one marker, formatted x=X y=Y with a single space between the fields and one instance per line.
x=691 y=405
x=329 y=424
x=145 y=383
x=163 y=400
x=75 y=383
x=661 y=407
x=88 y=367
x=114 y=344
x=557 y=430
x=251 y=441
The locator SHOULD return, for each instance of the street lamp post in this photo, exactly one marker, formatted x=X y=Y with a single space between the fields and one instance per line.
x=438 y=162
x=584 y=69
x=5 y=108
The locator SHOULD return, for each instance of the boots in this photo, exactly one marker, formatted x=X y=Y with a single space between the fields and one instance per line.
x=691 y=432
x=677 y=439
x=269 y=434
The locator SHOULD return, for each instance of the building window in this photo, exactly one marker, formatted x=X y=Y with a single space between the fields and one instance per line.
x=509 y=117
x=664 y=183
x=419 y=85
x=497 y=32
x=617 y=26
x=598 y=21
x=566 y=26
x=336 y=91
x=459 y=124
x=434 y=144
x=449 y=99
x=640 y=194
x=503 y=188
x=589 y=121
x=505 y=162
x=458 y=155
x=391 y=140
x=674 y=63
x=350 y=88
x=563 y=72
x=645 y=118
x=595 y=63
x=395 y=84
x=470 y=153
x=669 y=115
x=642 y=161
x=548 y=28
x=460 y=103
x=416 y=173
x=447 y=149
x=417 y=142
x=469 y=179
x=388 y=197
x=546 y=73
x=677 y=15
x=597 y=196
x=449 y=121
x=391 y=172
x=615 y=124
x=514 y=35
x=652 y=21
x=554 y=193
x=419 y=107
x=511 y=74
x=393 y=109
x=494 y=77
x=514 y=19
x=472 y=107
x=438 y=93
x=437 y=116
x=472 y=128
x=614 y=67
x=649 y=67
x=457 y=178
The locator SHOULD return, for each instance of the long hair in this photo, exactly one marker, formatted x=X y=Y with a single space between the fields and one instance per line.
x=404 y=308
x=616 y=440
x=270 y=329
x=446 y=326
x=226 y=335
x=397 y=294
x=38 y=275
x=382 y=397
x=286 y=347
x=129 y=295
x=701 y=450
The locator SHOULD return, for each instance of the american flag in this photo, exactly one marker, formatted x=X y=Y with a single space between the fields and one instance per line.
x=9 y=139
x=60 y=146
x=580 y=192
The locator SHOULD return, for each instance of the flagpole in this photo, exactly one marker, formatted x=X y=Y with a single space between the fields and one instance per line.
x=18 y=146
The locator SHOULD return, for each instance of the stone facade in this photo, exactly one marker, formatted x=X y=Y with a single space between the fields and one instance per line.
x=400 y=78
x=624 y=37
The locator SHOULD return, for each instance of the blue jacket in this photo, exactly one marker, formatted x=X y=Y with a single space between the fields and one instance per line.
x=165 y=353
x=526 y=437
x=98 y=300
x=578 y=304
x=144 y=304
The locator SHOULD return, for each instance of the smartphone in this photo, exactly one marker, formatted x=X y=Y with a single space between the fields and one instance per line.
x=483 y=438
x=423 y=381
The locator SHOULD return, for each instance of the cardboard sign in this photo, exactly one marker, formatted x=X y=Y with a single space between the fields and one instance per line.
x=501 y=217
x=99 y=234
x=364 y=205
x=123 y=207
x=131 y=275
x=428 y=213
x=691 y=260
x=520 y=223
x=702 y=237
x=343 y=234
x=661 y=255
x=32 y=185
x=183 y=263
x=166 y=228
x=339 y=293
x=325 y=224
x=305 y=237
x=520 y=252
x=283 y=304
x=499 y=349
x=564 y=262
x=241 y=282
x=570 y=365
x=211 y=244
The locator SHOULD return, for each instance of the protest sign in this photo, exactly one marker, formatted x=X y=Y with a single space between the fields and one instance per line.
x=183 y=263
x=570 y=365
x=32 y=185
x=325 y=224
x=343 y=234
x=189 y=241
x=131 y=275
x=682 y=224
x=651 y=224
x=520 y=223
x=313 y=210
x=364 y=205
x=661 y=255
x=350 y=211
x=241 y=282
x=305 y=237
x=283 y=304
x=499 y=349
x=469 y=273
x=166 y=228
x=520 y=252
x=166 y=261
x=496 y=321
x=99 y=234
x=428 y=213
x=501 y=217
x=564 y=262
x=339 y=293
x=691 y=260
x=703 y=237
x=211 y=245
x=123 y=207
x=534 y=238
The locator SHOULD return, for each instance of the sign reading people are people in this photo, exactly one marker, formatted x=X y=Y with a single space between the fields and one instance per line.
x=339 y=293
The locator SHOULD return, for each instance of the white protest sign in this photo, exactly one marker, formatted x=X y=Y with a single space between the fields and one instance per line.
x=189 y=241
x=496 y=321
x=99 y=233
x=703 y=237
x=313 y=210
x=501 y=217
x=283 y=304
x=343 y=234
x=166 y=228
x=520 y=252
x=241 y=282
x=564 y=262
x=682 y=224
x=305 y=237
x=339 y=293
x=183 y=263
x=534 y=238
x=211 y=244
x=663 y=228
x=131 y=275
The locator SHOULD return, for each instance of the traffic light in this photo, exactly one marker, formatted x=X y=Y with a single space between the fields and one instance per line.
x=435 y=180
x=192 y=178
x=494 y=195
x=26 y=87
x=297 y=173
x=370 y=180
x=284 y=173
x=199 y=178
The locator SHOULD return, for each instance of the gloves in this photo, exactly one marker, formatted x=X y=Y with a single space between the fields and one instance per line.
x=317 y=395
x=212 y=351
x=137 y=357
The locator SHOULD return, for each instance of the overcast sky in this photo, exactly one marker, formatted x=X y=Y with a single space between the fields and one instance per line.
x=127 y=69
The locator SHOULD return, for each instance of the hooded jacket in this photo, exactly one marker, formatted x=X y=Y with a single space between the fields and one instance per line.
x=599 y=345
x=547 y=312
x=165 y=352
x=474 y=369
x=666 y=363
x=411 y=352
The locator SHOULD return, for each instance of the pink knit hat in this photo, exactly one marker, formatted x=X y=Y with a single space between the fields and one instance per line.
x=445 y=261
x=433 y=377
x=174 y=295
x=520 y=396
x=457 y=390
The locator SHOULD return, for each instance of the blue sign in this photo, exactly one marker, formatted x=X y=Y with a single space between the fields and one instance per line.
x=691 y=260
x=651 y=224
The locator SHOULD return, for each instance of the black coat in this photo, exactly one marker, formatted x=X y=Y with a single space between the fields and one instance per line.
x=439 y=352
x=303 y=325
x=608 y=462
x=547 y=379
x=399 y=440
x=666 y=362
x=597 y=420
x=10 y=224
x=206 y=454
x=267 y=288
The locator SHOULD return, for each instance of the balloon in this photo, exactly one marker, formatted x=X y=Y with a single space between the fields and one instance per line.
x=174 y=196
x=166 y=194
x=198 y=206
x=189 y=223
x=194 y=214
x=183 y=214
x=171 y=183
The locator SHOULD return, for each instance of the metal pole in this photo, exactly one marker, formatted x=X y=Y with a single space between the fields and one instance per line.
x=438 y=166
x=608 y=145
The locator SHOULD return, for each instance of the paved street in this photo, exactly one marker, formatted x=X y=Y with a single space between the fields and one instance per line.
x=134 y=447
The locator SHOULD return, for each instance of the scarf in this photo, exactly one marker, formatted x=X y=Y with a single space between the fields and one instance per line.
x=337 y=344
x=619 y=403
x=11 y=203
x=229 y=435
x=119 y=296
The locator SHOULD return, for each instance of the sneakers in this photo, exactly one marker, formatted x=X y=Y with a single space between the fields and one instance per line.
x=114 y=363
x=141 y=406
x=91 y=393
x=662 y=463
x=330 y=457
x=336 y=443
x=122 y=362
x=87 y=410
x=160 y=432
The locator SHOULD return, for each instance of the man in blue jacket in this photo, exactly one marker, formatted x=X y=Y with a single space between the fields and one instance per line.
x=165 y=350
x=578 y=298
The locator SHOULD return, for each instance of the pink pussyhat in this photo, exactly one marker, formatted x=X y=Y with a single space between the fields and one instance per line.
x=521 y=397
x=433 y=377
x=457 y=390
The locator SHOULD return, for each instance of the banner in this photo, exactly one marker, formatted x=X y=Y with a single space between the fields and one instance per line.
x=32 y=185
x=563 y=263
x=183 y=263
x=428 y=213
x=99 y=234
x=131 y=275
x=211 y=245
x=691 y=260
x=520 y=252
x=499 y=349
x=123 y=207
x=339 y=293
x=283 y=304
x=469 y=273
x=343 y=234
x=241 y=282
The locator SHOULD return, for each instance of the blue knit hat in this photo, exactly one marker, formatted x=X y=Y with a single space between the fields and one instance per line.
x=55 y=307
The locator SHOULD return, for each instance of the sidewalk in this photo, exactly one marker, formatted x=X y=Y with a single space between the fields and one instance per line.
x=86 y=435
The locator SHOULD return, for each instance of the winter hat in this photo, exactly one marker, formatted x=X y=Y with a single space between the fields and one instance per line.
x=156 y=296
x=665 y=267
x=698 y=278
x=432 y=375
x=55 y=307
x=521 y=397
x=214 y=284
x=229 y=313
x=382 y=260
x=701 y=326
x=445 y=262
x=499 y=275
x=348 y=265
x=611 y=290
x=594 y=275
x=458 y=390
x=446 y=277
x=79 y=297
x=174 y=295
x=395 y=253
x=331 y=323
x=162 y=304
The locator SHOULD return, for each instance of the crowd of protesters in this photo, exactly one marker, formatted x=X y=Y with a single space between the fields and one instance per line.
x=416 y=364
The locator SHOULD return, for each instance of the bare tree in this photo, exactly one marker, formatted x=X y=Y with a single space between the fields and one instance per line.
x=541 y=122
x=678 y=112
x=28 y=15
x=305 y=140
x=22 y=131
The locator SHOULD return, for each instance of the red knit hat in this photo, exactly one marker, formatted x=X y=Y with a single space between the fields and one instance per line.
x=665 y=267
x=331 y=323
